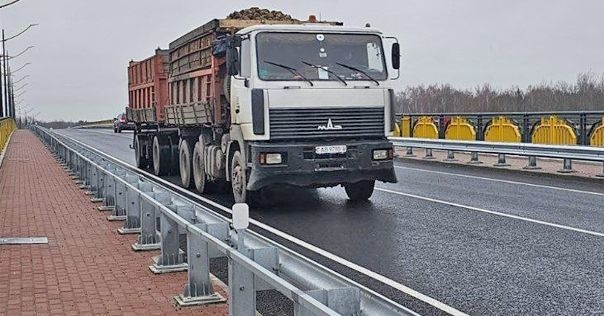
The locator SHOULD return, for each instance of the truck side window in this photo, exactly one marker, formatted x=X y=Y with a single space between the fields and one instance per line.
x=245 y=58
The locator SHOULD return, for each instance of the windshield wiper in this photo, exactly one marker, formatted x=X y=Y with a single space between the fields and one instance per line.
x=326 y=70
x=359 y=70
x=290 y=69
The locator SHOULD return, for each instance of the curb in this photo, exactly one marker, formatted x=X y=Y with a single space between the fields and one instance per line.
x=3 y=153
x=592 y=179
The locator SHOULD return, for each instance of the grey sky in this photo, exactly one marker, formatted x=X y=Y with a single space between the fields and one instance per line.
x=82 y=48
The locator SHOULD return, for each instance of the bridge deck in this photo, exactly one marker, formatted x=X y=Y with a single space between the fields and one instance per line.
x=86 y=267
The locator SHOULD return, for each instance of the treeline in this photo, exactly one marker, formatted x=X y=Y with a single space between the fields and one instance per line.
x=61 y=124
x=586 y=94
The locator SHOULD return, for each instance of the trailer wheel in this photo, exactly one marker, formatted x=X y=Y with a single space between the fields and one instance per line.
x=161 y=155
x=199 y=171
x=238 y=179
x=360 y=191
x=139 y=152
x=185 y=163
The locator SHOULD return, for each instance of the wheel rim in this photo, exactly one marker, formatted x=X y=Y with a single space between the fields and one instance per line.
x=237 y=180
x=184 y=164
x=156 y=160
x=198 y=169
x=138 y=153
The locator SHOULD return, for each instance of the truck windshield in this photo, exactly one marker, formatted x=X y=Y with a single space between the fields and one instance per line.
x=320 y=56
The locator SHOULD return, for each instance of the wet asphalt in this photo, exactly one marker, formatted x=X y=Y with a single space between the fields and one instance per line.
x=478 y=262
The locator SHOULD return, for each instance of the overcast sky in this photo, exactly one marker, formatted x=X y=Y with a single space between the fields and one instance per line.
x=78 y=68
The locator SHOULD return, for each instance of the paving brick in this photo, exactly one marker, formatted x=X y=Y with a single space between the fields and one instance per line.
x=86 y=267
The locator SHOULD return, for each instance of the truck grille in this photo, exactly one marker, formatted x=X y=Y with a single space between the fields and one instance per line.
x=315 y=123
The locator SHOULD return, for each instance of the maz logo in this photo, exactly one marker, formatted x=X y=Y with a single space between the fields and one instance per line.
x=329 y=126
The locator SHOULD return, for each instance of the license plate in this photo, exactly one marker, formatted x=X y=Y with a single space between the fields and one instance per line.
x=336 y=149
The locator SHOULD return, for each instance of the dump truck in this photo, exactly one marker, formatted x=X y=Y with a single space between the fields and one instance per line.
x=258 y=103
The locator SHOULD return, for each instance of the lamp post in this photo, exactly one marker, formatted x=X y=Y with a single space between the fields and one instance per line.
x=5 y=89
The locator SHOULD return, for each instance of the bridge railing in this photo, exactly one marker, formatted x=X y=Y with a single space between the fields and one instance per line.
x=7 y=126
x=555 y=128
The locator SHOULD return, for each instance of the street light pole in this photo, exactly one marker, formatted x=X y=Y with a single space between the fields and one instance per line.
x=4 y=62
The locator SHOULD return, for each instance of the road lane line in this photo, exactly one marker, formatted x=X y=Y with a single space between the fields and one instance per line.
x=504 y=181
x=353 y=266
x=526 y=219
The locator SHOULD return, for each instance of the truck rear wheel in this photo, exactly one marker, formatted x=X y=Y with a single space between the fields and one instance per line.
x=161 y=155
x=199 y=171
x=185 y=164
x=360 y=191
x=239 y=179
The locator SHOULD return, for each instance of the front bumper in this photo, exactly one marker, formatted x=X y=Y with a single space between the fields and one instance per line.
x=302 y=167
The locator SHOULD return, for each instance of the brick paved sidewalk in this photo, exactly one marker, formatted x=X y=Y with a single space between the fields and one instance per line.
x=86 y=267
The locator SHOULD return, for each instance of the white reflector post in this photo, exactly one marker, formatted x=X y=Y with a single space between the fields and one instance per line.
x=241 y=216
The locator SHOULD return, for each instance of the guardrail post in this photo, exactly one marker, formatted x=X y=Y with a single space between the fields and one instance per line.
x=119 y=209
x=409 y=152
x=148 y=238
x=170 y=259
x=567 y=166
x=108 y=190
x=242 y=294
x=450 y=156
x=501 y=161
x=474 y=159
x=198 y=289
x=93 y=184
x=532 y=164
x=429 y=154
x=583 y=129
x=132 y=224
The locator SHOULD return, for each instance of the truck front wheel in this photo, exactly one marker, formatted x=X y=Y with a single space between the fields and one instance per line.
x=185 y=163
x=238 y=178
x=360 y=191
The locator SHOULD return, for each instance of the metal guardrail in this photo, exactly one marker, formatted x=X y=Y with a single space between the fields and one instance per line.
x=7 y=126
x=254 y=262
x=532 y=151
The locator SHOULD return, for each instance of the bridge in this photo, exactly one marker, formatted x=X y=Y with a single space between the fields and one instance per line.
x=453 y=236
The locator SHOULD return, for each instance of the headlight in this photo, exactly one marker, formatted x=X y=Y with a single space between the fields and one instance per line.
x=273 y=159
x=270 y=158
x=382 y=154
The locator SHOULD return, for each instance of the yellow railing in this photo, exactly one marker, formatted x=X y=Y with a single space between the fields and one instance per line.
x=7 y=126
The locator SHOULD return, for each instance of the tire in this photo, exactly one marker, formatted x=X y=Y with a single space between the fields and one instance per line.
x=161 y=155
x=360 y=191
x=139 y=153
x=198 y=164
x=239 y=179
x=185 y=155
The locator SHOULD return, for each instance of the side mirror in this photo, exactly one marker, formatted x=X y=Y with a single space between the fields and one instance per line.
x=396 y=55
x=233 y=61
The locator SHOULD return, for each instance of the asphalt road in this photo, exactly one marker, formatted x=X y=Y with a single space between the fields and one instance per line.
x=486 y=242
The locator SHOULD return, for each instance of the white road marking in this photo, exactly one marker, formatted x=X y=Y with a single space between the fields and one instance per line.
x=526 y=219
x=376 y=276
x=504 y=181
